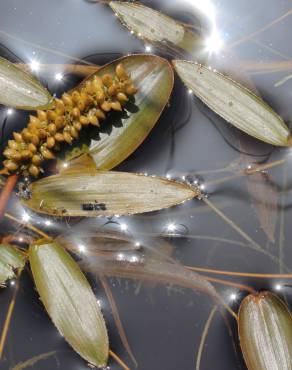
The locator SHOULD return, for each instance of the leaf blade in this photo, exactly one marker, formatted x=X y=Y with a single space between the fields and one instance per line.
x=153 y=76
x=10 y=260
x=236 y=104
x=163 y=31
x=69 y=300
x=121 y=193
x=265 y=330
x=21 y=90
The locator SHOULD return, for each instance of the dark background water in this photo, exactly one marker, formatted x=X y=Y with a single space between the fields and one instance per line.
x=164 y=323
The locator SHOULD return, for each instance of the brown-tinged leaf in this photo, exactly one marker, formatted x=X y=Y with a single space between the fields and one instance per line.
x=69 y=300
x=19 y=89
x=122 y=133
x=162 y=31
x=137 y=266
x=265 y=199
x=97 y=242
x=235 y=103
x=105 y=193
x=10 y=259
x=265 y=331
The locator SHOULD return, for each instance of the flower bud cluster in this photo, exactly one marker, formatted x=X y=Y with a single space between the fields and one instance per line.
x=48 y=130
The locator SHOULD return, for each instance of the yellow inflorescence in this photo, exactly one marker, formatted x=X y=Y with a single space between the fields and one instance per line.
x=46 y=132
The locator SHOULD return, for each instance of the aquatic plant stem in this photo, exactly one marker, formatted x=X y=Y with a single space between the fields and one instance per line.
x=248 y=171
x=204 y=336
x=9 y=315
x=255 y=67
x=28 y=226
x=53 y=51
x=232 y=224
x=118 y=360
x=230 y=283
x=257 y=32
x=6 y=192
x=117 y=319
x=34 y=360
x=241 y=274
x=282 y=219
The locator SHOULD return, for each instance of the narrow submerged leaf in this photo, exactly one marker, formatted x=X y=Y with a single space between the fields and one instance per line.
x=265 y=198
x=88 y=194
x=234 y=103
x=138 y=266
x=98 y=242
x=69 y=300
x=265 y=331
x=19 y=89
x=10 y=259
x=162 y=31
x=123 y=133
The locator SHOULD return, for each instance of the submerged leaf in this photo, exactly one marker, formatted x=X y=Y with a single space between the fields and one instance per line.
x=264 y=196
x=88 y=194
x=98 y=242
x=10 y=259
x=19 y=89
x=69 y=300
x=234 y=103
x=161 y=30
x=122 y=133
x=138 y=266
x=265 y=330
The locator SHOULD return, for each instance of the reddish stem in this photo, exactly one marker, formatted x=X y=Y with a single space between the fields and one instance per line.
x=6 y=191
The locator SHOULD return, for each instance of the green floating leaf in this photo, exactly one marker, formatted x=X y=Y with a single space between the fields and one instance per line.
x=153 y=77
x=19 y=89
x=10 y=260
x=234 y=103
x=265 y=330
x=69 y=300
x=91 y=193
x=162 y=31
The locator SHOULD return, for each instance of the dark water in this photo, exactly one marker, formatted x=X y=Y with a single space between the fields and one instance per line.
x=164 y=322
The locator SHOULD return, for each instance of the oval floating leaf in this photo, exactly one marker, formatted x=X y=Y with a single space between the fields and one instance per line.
x=162 y=31
x=10 y=259
x=19 y=89
x=234 y=103
x=69 y=300
x=265 y=330
x=153 y=77
x=89 y=194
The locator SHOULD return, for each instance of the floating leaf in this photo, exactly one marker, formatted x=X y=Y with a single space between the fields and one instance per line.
x=123 y=133
x=19 y=89
x=234 y=103
x=162 y=31
x=265 y=330
x=89 y=194
x=69 y=300
x=10 y=259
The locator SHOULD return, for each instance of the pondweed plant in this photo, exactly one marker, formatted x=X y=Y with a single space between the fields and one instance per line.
x=132 y=91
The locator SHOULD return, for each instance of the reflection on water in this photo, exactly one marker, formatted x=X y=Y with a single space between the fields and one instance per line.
x=242 y=226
